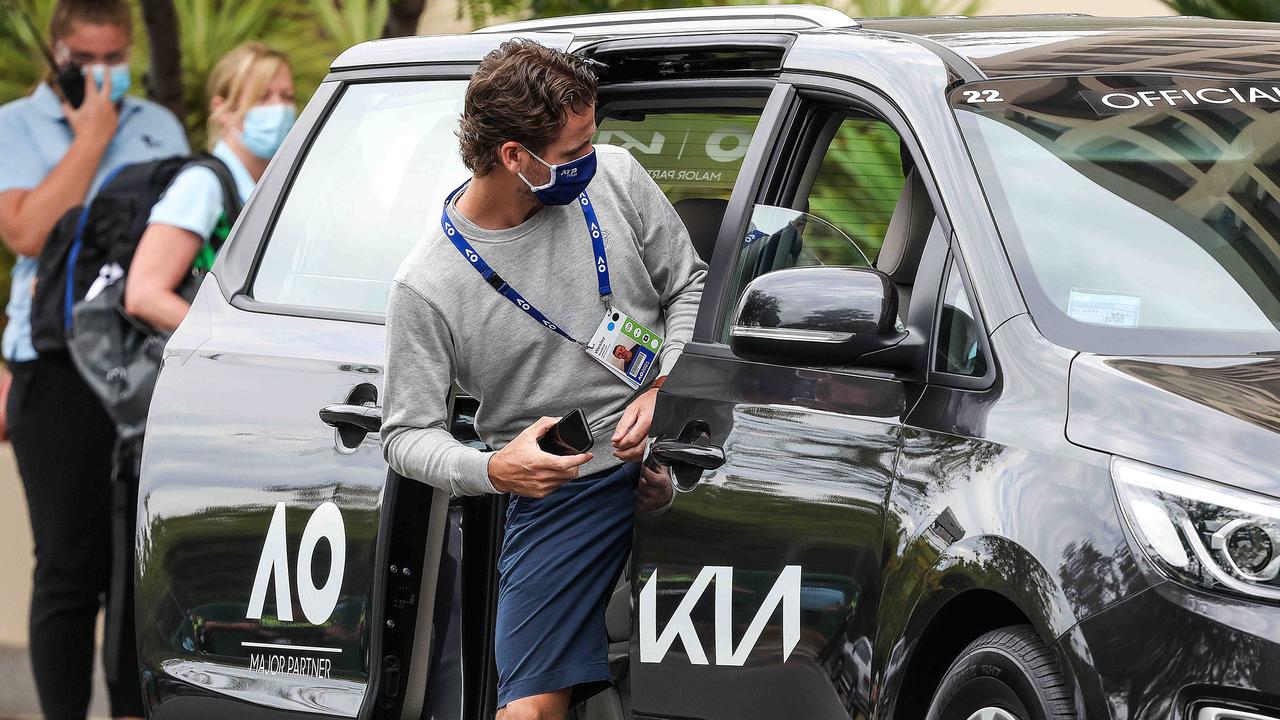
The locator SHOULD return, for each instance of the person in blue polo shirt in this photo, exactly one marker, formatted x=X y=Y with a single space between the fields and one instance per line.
x=251 y=102
x=55 y=156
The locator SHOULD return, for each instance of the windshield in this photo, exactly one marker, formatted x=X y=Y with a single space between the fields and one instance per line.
x=1142 y=214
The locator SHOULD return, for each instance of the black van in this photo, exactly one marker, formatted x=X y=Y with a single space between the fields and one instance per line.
x=979 y=423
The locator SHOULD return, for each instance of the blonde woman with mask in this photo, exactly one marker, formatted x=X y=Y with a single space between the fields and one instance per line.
x=251 y=102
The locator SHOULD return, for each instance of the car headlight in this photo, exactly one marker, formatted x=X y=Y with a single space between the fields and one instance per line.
x=1214 y=536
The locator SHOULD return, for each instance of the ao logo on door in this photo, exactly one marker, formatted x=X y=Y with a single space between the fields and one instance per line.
x=273 y=564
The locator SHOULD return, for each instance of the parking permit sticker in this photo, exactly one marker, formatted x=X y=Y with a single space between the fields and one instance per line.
x=627 y=348
x=1104 y=308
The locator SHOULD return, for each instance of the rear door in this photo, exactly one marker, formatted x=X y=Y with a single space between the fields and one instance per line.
x=266 y=540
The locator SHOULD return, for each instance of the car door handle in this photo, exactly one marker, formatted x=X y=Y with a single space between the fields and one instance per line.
x=353 y=422
x=365 y=417
x=703 y=456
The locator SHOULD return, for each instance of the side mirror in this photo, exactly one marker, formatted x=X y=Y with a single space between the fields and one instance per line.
x=816 y=315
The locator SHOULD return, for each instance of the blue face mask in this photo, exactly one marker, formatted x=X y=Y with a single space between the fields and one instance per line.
x=567 y=182
x=265 y=127
x=119 y=79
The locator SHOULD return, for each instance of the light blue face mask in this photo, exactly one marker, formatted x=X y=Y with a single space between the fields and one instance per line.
x=265 y=127
x=119 y=79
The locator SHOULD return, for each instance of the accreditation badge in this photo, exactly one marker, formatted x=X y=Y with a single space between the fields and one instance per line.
x=627 y=348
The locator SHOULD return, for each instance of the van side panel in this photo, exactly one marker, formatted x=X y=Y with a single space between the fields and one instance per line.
x=257 y=527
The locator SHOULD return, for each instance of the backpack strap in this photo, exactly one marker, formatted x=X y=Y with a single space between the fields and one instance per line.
x=231 y=204
x=69 y=295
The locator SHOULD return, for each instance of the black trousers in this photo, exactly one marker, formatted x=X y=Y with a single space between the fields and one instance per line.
x=80 y=517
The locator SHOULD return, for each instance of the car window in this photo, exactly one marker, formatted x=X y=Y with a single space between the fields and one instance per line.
x=367 y=190
x=840 y=219
x=780 y=238
x=958 y=348
x=859 y=181
x=688 y=154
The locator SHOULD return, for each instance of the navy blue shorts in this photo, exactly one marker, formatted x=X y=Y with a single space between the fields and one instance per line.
x=561 y=557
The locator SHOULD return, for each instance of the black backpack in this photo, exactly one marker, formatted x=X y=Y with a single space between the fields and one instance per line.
x=105 y=231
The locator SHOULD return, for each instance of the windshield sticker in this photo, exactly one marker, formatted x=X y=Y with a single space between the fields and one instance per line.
x=1125 y=99
x=1104 y=308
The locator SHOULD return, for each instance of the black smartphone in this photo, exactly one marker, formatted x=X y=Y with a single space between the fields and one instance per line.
x=70 y=81
x=570 y=436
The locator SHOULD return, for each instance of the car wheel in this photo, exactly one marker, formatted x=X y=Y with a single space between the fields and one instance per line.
x=1007 y=674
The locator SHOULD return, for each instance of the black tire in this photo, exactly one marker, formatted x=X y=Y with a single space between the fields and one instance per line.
x=1008 y=673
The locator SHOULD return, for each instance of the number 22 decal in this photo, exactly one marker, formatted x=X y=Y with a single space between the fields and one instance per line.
x=982 y=96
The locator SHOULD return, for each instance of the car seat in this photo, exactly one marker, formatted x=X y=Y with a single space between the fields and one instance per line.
x=904 y=240
x=702 y=217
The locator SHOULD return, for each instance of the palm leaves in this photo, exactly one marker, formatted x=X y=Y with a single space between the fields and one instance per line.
x=1268 y=10
x=20 y=55
x=208 y=30
x=352 y=22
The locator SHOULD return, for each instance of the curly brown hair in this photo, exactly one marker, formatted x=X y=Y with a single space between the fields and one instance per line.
x=521 y=91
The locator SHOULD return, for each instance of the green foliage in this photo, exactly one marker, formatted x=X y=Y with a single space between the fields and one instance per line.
x=1268 y=10
x=20 y=57
x=351 y=22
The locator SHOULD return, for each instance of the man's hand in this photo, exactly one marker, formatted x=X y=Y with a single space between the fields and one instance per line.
x=524 y=469
x=633 y=428
x=96 y=119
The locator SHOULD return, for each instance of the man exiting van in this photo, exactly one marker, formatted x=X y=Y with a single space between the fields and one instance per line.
x=535 y=270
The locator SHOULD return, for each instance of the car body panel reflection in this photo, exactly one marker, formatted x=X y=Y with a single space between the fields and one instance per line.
x=803 y=484
x=220 y=455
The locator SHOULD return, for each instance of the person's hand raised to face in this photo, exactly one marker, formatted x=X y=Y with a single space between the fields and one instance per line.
x=89 y=46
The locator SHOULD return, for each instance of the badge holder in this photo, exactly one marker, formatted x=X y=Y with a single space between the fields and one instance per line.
x=624 y=346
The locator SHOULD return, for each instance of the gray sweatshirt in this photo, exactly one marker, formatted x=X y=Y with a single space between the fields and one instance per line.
x=445 y=324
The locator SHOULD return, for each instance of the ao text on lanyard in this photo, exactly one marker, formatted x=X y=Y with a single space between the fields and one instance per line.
x=497 y=283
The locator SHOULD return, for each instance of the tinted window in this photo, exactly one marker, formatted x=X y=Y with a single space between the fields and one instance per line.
x=689 y=154
x=841 y=221
x=780 y=238
x=959 y=349
x=859 y=181
x=369 y=187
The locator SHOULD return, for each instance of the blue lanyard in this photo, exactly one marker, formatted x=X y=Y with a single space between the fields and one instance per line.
x=497 y=283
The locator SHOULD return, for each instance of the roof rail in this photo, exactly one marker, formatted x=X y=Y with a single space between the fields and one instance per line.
x=734 y=17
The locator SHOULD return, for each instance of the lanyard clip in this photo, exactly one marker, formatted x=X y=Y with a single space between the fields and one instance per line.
x=608 y=300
